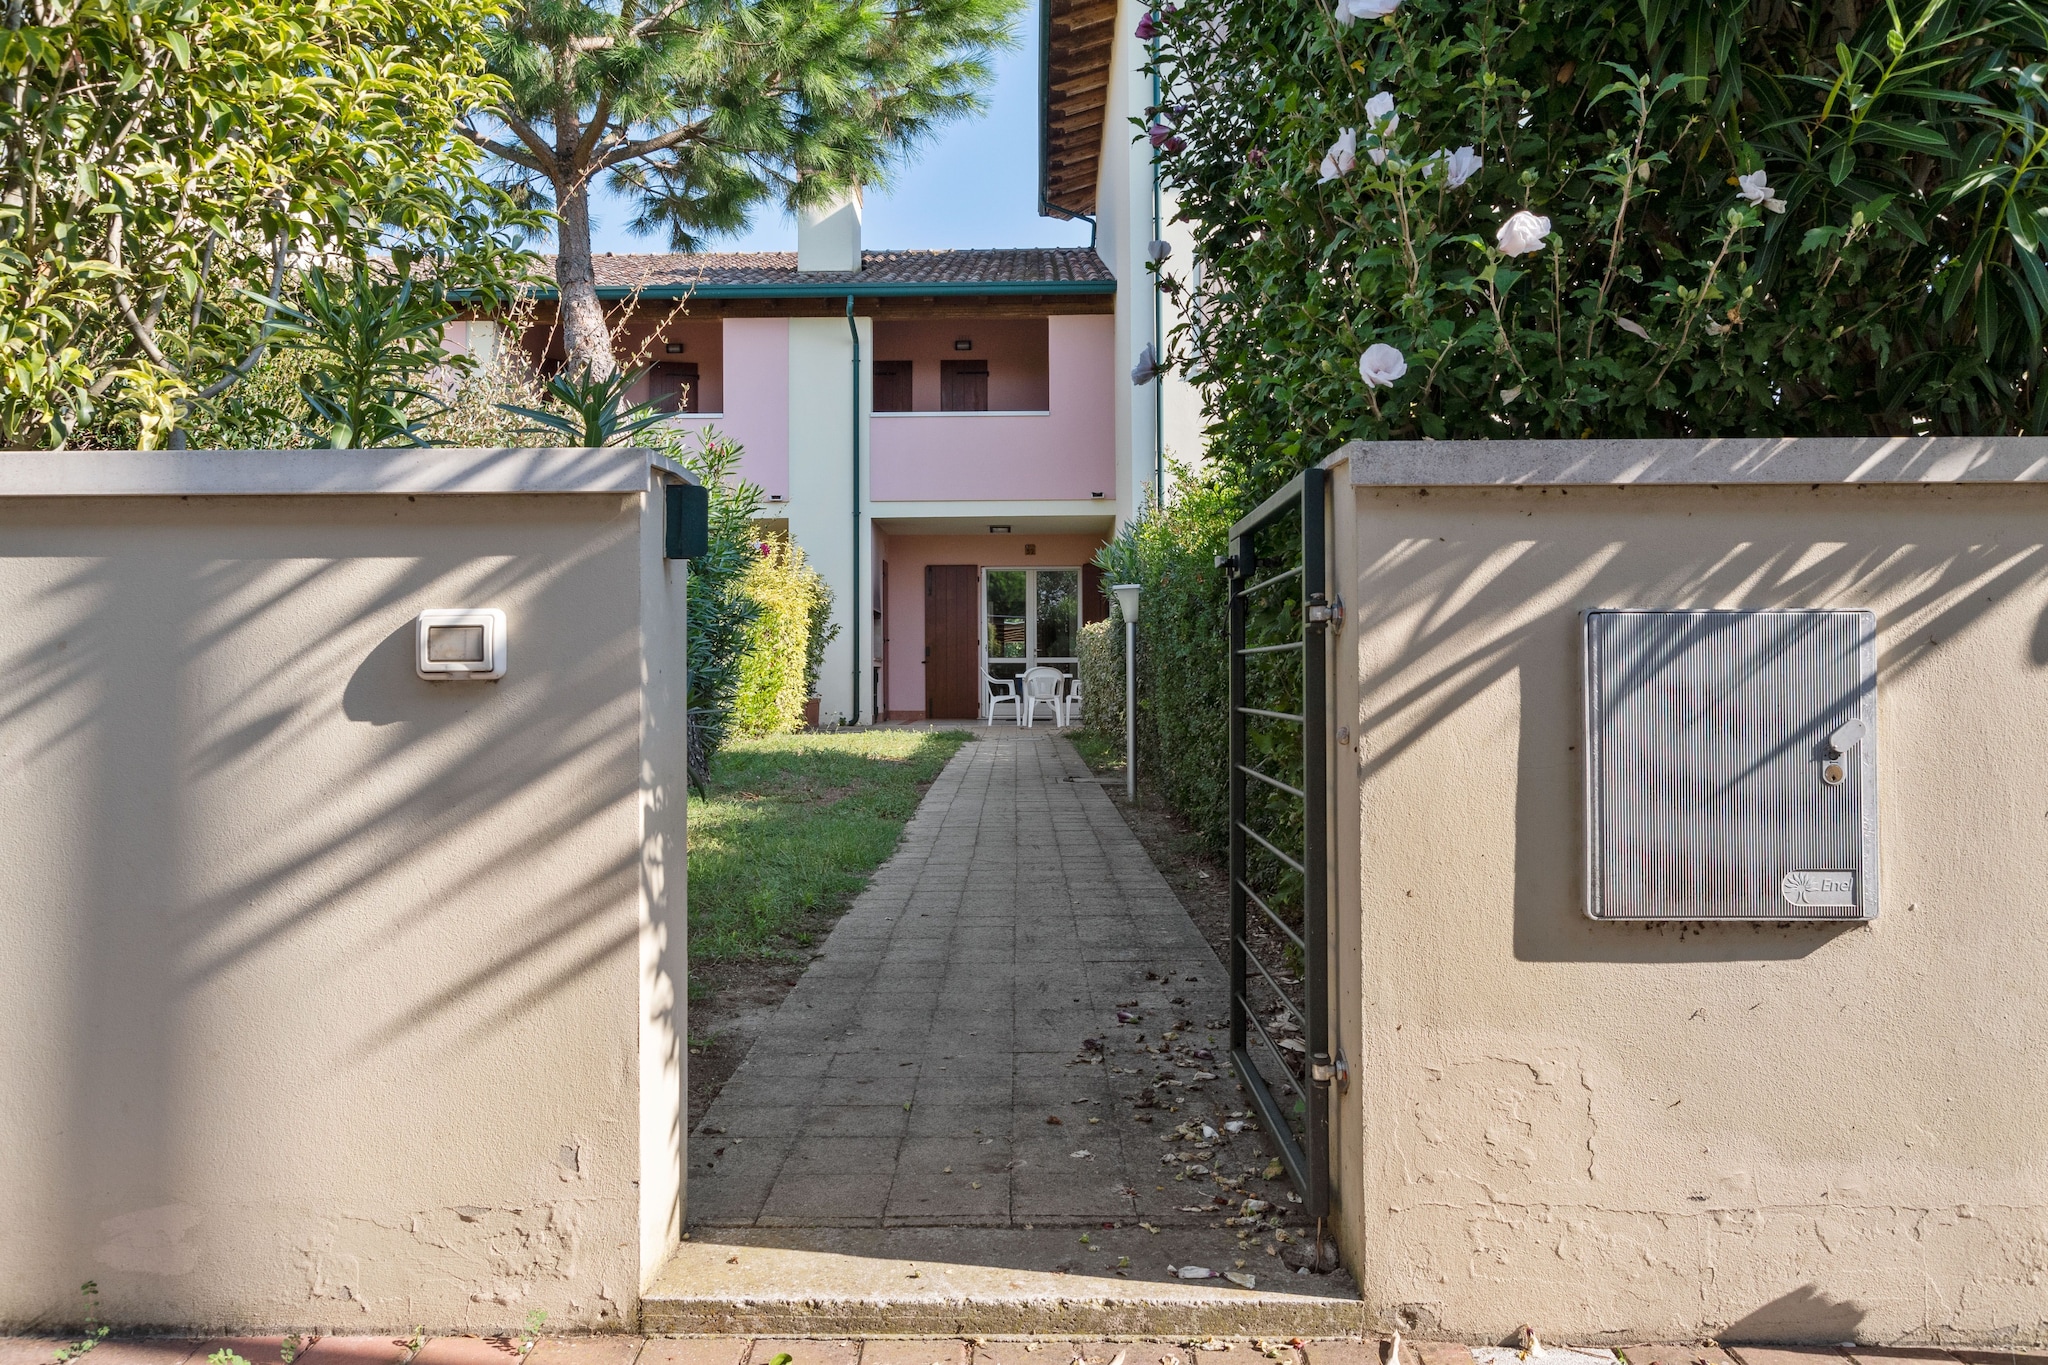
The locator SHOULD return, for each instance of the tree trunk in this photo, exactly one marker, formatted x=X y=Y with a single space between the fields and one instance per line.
x=588 y=340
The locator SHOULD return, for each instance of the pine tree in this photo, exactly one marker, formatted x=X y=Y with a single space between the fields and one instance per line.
x=701 y=111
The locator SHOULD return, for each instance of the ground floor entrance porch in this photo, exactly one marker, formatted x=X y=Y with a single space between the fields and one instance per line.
x=957 y=611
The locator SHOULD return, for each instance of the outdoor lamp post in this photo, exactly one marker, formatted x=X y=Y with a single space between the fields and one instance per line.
x=1127 y=603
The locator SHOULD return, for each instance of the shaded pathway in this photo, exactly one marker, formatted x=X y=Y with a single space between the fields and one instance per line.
x=1014 y=1033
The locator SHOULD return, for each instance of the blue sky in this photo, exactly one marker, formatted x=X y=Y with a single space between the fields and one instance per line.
x=975 y=184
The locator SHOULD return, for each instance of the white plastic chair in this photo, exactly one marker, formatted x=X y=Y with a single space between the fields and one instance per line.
x=1042 y=688
x=999 y=691
x=1072 y=700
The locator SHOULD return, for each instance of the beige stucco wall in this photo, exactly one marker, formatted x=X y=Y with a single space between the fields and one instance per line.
x=1668 y=1131
x=334 y=998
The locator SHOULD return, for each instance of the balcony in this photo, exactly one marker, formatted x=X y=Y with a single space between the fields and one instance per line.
x=993 y=410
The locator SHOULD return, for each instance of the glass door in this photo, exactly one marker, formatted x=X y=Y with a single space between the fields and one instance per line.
x=1030 y=617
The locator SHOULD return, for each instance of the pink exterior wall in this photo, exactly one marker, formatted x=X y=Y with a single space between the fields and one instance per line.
x=1069 y=453
x=903 y=608
x=754 y=381
x=1015 y=350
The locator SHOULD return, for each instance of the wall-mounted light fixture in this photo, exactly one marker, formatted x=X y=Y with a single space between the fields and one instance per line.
x=1095 y=495
x=999 y=530
x=457 y=643
x=964 y=344
x=673 y=348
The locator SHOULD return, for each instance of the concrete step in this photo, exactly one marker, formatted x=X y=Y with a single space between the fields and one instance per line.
x=983 y=1282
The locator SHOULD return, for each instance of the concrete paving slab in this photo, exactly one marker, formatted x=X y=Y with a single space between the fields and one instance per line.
x=1352 y=1351
x=254 y=1350
x=1787 y=1355
x=694 y=1351
x=804 y=1351
x=468 y=1351
x=985 y=1282
x=586 y=1350
x=147 y=1351
x=914 y=1351
x=1681 y=1353
x=32 y=1350
x=356 y=1350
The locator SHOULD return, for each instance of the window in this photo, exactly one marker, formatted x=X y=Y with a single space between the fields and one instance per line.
x=963 y=386
x=893 y=388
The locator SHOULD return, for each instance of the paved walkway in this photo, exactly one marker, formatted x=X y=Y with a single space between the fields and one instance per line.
x=1015 y=1028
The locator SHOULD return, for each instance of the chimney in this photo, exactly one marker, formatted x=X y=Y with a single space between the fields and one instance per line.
x=828 y=236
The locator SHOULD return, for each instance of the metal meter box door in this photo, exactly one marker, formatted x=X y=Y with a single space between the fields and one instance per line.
x=1731 y=765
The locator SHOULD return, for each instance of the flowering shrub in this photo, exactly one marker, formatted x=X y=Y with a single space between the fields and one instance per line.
x=1459 y=218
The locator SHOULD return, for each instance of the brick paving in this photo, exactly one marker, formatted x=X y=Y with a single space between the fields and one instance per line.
x=1004 y=1031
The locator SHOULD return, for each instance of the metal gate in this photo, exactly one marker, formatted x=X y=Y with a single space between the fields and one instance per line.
x=1279 y=839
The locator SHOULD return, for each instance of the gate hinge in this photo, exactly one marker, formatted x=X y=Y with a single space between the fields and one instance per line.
x=1227 y=563
x=1324 y=1070
x=1321 y=613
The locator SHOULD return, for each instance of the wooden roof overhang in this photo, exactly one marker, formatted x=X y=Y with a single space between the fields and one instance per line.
x=1076 y=40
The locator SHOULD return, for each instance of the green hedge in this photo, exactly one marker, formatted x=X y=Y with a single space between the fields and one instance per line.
x=1102 y=679
x=1183 y=668
x=775 y=676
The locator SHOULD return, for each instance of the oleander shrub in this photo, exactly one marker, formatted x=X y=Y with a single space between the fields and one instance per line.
x=721 y=612
x=775 y=676
x=1560 y=218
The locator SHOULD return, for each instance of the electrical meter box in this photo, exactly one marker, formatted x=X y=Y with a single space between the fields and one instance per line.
x=1731 y=765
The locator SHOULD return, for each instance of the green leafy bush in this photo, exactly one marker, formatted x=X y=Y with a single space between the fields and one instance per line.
x=1102 y=678
x=1183 y=668
x=1463 y=218
x=775 y=673
x=163 y=160
x=371 y=342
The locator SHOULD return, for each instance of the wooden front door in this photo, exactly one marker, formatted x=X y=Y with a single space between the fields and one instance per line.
x=952 y=618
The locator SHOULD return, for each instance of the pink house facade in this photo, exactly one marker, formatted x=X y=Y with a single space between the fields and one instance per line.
x=936 y=429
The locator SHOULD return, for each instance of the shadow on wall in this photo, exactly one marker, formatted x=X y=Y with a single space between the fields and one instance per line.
x=1491 y=598
x=1806 y=1315
x=299 y=874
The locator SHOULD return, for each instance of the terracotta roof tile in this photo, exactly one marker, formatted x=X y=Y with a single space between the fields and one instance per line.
x=1020 y=265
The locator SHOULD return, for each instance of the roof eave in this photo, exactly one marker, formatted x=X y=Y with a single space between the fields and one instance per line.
x=824 y=290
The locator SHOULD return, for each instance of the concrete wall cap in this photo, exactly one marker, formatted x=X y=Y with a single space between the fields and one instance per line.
x=1731 y=460
x=328 y=473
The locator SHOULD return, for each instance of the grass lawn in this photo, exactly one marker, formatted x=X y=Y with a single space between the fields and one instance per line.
x=1103 y=753
x=793 y=826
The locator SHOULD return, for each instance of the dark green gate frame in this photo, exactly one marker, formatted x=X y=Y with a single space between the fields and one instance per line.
x=1305 y=1152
